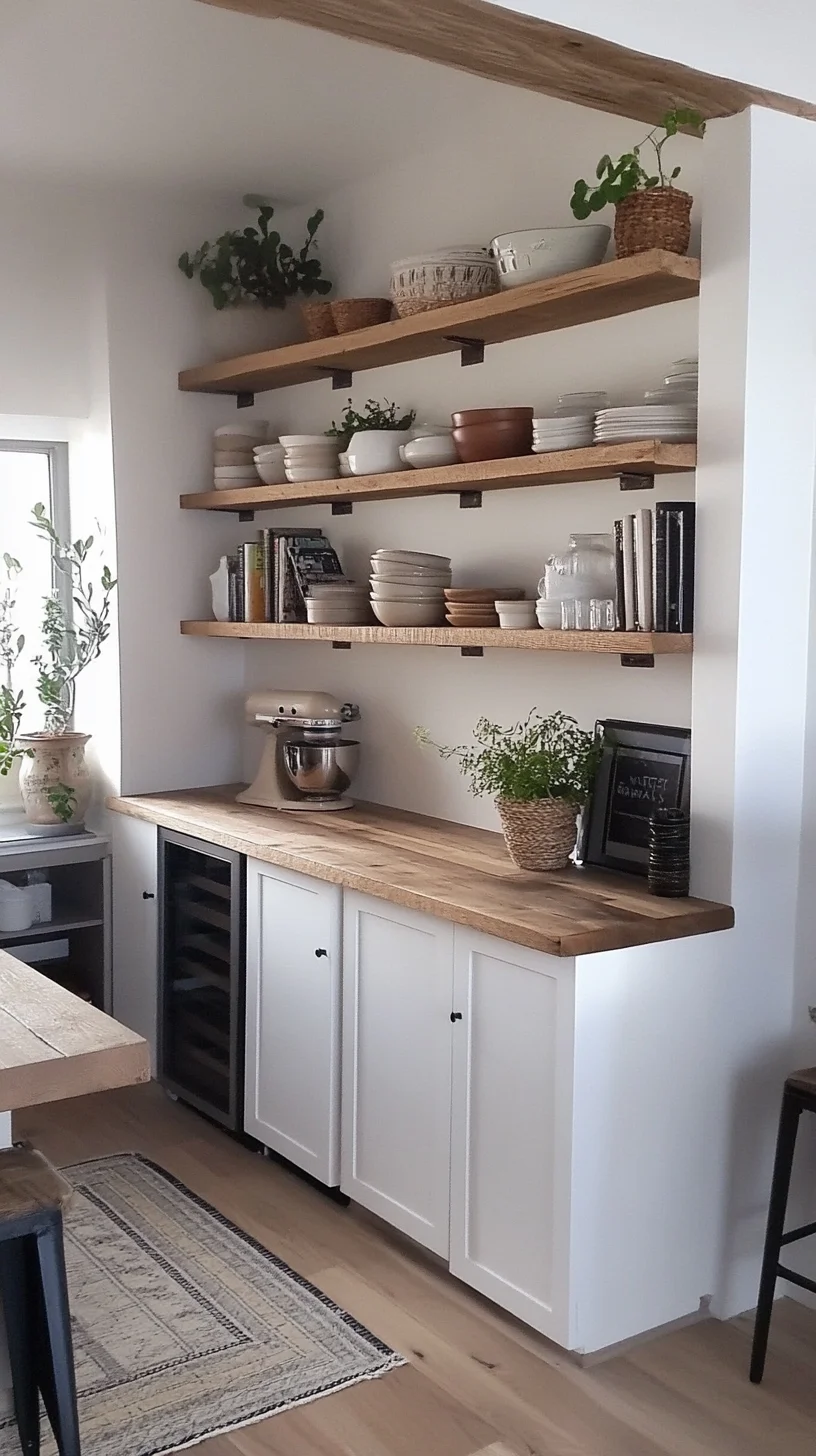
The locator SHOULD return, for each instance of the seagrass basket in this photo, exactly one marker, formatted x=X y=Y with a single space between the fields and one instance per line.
x=318 y=318
x=359 y=313
x=656 y=218
x=539 y=833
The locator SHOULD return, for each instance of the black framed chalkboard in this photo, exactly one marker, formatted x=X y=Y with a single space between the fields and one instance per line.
x=642 y=767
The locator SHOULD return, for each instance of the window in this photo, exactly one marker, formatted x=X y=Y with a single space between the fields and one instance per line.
x=31 y=471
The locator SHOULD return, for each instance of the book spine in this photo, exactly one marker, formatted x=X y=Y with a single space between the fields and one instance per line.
x=253 y=582
x=232 y=568
x=620 y=611
x=239 y=586
x=266 y=542
x=629 y=613
x=659 y=567
x=280 y=572
x=643 y=563
x=672 y=571
x=687 y=545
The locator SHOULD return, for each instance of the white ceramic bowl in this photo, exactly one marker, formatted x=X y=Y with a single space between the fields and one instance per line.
x=429 y=451
x=413 y=578
x=234 y=472
x=272 y=472
x=325 y=615
x=232 y=457
x=548 y=614
x=345 y=468
x=301 y=454
x=269 y=452
x=394 y=591
x=408 y=614
x=251 y=481
x=296 y=440
x=295 y=474
x=332 y=590
x=412 y=558
x=516 y=614
x=425 y=429
x=534 y=253
x=253 y=429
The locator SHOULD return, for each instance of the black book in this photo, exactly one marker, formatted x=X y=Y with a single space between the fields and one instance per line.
x=232 y=562
x=240 y=585
x=674 y=538
x=688 y=537
x=620 y=610
x=659 y=568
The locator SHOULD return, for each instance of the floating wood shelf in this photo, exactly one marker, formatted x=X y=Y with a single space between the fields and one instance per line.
x=597 y=462
x=625 y=644
x=625 y=285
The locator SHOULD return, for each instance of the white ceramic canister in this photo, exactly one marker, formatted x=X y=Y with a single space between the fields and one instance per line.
x=376 y=452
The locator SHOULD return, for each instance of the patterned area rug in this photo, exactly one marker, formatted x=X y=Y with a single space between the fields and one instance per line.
x=184 y=1326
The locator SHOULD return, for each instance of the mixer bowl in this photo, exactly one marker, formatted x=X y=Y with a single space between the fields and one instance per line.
x=324 y=770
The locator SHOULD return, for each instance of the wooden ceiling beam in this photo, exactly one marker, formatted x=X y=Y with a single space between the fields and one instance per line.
x=522 y=50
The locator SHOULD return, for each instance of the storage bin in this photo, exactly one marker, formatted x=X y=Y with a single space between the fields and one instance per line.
x=16 y=907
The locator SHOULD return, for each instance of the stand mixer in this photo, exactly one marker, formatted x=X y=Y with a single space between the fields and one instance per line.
x=306 y=763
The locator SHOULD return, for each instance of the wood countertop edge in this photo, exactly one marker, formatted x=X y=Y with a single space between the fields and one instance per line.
x=57 y=1079
x=628 y=933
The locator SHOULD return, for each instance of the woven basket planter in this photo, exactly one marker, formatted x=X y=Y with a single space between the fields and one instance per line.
x=539 y=833
x=657 y=218
x=359 y=313
x=318 y=318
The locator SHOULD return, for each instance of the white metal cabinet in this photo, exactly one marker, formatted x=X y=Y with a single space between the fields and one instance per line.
x=511 y=1128
x=292 y=1072
x=397 y=988
x=135 y=925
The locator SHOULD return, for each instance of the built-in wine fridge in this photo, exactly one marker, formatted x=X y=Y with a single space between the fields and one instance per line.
x=201 y=987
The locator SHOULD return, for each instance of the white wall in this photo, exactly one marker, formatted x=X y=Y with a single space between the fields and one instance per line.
x=510 y=165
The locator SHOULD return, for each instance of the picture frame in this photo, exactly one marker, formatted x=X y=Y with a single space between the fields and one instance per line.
x=642 y=767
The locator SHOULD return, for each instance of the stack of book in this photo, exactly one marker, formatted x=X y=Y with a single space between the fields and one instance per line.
x=270 y=578
x=654 y=566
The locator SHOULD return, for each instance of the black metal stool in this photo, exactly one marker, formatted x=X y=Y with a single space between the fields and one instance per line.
x=35 y=1298
x=799 y=1096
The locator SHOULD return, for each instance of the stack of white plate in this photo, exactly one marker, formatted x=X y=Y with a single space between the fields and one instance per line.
x=408 y=587
x=670 y=422
x=233 y=459
x=682 y=374
x=311 y=457
x=270 y=463
x=562 y=432
x=338 y=603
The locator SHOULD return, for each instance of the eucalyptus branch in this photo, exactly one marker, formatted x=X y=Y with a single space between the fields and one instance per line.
x=617 y=180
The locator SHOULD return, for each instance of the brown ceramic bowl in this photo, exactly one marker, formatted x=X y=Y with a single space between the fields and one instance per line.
x=496 y=441
x=492 y=416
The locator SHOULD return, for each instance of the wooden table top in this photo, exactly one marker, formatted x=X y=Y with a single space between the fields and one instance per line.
x=449 y=870
x=54 y=1045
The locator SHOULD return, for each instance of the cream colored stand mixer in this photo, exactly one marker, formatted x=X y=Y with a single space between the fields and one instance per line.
x=306 y=763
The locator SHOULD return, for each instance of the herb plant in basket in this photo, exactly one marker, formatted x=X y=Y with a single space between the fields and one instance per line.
x=254 y=264
x=650 y=212
x=539 y=772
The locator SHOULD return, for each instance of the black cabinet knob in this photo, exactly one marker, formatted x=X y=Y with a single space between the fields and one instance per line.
x=456 y=1016
x=148 y=895
x=319 y=953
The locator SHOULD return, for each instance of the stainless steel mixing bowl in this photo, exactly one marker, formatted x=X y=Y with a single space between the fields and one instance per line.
x=322 y=769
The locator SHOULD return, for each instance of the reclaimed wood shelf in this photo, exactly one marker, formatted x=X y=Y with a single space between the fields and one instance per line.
x=456 y=873
x=645 y=458
x=637 y=644
x=625 y=285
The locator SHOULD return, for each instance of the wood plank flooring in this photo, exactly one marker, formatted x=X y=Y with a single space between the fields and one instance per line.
x=478 y=1383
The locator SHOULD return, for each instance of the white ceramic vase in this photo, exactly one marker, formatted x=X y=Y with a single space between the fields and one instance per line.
x=376 y=452
x=55 y=783
x=219 y=581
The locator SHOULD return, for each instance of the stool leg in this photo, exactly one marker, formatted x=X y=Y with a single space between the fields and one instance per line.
x=57 y=1378
x=19 y=1306
x=777 y=1208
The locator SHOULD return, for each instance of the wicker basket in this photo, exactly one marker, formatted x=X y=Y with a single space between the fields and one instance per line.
x=359 y=313
x=317 y=316
x=417 y=287
x=540 y=833
x=656 y=218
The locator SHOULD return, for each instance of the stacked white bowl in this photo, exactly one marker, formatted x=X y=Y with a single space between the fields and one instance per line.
x=311 y=457
x=233 y=458
x=338 y=603
x=408 y=587
x=269 y=463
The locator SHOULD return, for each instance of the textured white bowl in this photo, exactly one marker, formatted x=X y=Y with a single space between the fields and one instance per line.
x=323 y=614
x=272 y=472
x=413 y=578
x=295 y=474
x=268 y=452
x=335 y=590
x=534 y=253
x=408 y=614
x=412 y=558
x=253 y=429
x=394 y=591
x=234 y=472
x=289 y=440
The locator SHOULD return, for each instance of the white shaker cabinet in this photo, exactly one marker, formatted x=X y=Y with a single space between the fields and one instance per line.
x=511 y=1133
x=293 y=989
x=397 y=990
x=135 y=925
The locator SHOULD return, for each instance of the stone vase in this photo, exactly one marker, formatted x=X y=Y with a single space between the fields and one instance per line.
x=55 y=783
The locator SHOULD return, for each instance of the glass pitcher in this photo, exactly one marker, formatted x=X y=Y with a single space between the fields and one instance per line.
x=585 y=570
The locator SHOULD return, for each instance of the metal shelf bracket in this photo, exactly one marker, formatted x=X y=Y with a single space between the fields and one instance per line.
x=630 y=481
x=244 y=399
x=340 y=378
x=341 y=646
x=637 y=659
x=246 y=515
x=471 y=351
x=470 y=500
x=472 y=651
x=342 y=508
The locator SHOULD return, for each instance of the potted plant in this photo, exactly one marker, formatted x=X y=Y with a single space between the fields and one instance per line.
x=539 y=772
x=54 y=779
x=650 y=212
x=253 y=264
x=372 y=439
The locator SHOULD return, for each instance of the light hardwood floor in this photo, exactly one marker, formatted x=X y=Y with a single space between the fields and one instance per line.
x=477 y=1382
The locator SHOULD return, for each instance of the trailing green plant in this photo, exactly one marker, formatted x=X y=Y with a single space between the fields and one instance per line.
x=254 y=263
x=375 y=416
x=69 y=645
x=616 y=180
x=539 y=758
x=62 y=799
x=12 y=643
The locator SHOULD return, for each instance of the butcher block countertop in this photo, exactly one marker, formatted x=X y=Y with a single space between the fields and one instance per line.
x=447 y=870
x=54 y=1045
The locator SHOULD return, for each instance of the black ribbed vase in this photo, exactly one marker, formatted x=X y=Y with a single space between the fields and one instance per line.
x=669 y=853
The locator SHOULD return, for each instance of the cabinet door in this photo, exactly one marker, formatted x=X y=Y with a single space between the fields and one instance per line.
x=292 y=1100
x=135 y=934
x=511 y=1127
x=397 y=985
